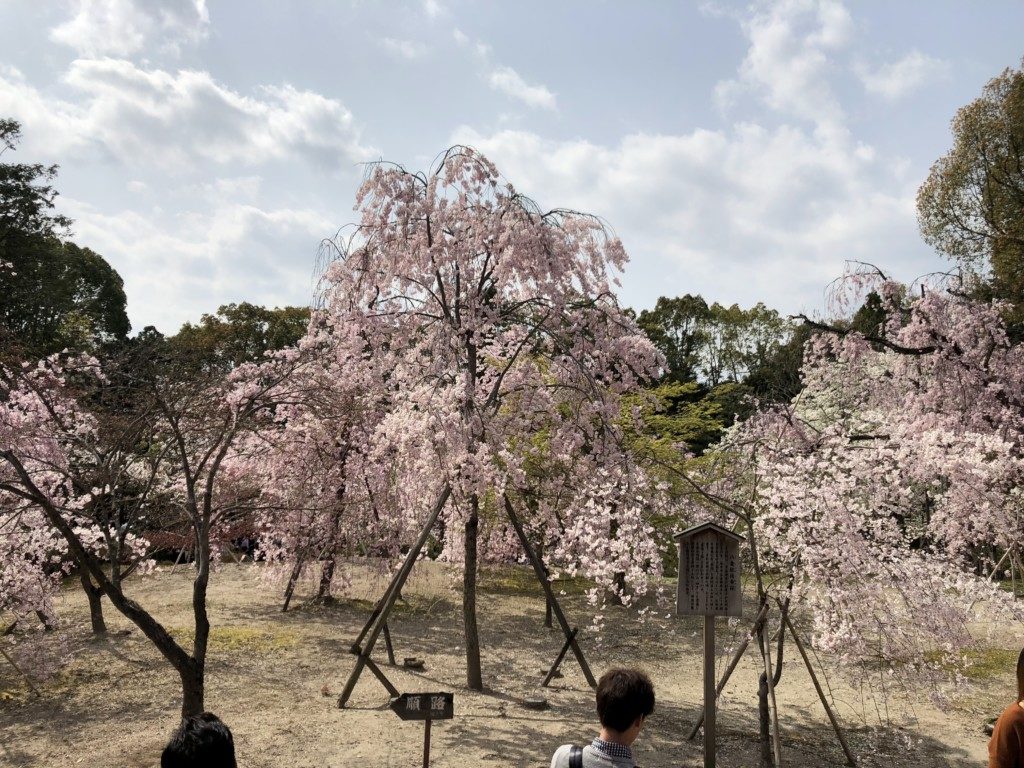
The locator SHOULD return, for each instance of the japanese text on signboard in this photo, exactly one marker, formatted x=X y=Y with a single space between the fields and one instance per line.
x=709 y=576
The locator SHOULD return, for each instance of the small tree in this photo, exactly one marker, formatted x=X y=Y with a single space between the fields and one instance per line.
x=491 y=324
x=52 y=451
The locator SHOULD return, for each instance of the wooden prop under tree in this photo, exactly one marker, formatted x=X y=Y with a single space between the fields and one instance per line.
x=3 y=633
x=377 y=622
x=758 y=630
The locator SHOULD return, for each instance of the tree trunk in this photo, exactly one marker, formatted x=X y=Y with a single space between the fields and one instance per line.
x=763 y=721
x=192 y=688
x=95 y=595
x=619 y=579
x=192 y=684
x=326 y=577
x=474 y=678
x=763 y=709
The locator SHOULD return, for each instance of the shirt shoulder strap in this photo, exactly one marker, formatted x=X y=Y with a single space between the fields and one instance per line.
x=575 y=756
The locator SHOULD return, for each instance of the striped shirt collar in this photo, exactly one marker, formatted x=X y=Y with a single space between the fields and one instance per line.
x=610 y=748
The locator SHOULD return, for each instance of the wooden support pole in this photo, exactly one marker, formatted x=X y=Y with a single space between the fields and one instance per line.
x=356 y=644
x=995 y=570
x=709 y=692
x=388 y=645
x=426 y=743
x=561 y=655
x=293 y=579
x=392 y=595
x=181 y=554
x=821 y=694
x=737 y=655
x=538 y=568
x=372 y=666
x=20 y=671
x=766 y=651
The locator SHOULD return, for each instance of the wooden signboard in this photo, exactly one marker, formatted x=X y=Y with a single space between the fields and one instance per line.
x=709 y=586
x=709 y=572
x=426 y=707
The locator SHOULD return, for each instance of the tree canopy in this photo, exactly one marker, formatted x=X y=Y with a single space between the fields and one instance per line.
x=970 y=207
x=26 y=196
x=56 y=294
x=242 y=333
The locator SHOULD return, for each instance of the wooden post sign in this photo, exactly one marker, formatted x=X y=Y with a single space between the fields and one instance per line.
x=426 y=707
x=709 y=572
x=709 y=586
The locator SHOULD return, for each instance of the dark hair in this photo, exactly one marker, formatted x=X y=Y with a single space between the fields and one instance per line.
x=1020 y=677
x=623 y=695
x=201 y=741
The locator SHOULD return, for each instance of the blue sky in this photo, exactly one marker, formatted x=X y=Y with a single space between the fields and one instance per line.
x=741 y=151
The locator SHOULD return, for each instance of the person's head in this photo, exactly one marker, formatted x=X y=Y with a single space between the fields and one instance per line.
x=625 y=697
x=1020 y=676
x=200 y=741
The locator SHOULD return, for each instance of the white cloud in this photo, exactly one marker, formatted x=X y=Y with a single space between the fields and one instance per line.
x=789 y=58
x=742 y=215
x=508 y=81
x=406 y=49
x=125 y=27
x=896 y=79
x=182 y=120
x=432 y=8
x=177 y=267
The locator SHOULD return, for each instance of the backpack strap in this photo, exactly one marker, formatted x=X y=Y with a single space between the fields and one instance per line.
x=575 y=757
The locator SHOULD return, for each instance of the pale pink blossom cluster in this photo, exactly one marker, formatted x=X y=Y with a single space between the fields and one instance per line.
x=468 y=340
x=886 y=487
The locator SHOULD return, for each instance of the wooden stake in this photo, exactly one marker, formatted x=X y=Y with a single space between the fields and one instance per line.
x=181 y=553
x=766 y=651
x=821 y=694
x=731 y=668
x=20 y=671
x=293 y=579
x=426 y=743
x=709 y=692
x=392 y=595
x=387 y=644
x=561 y=655
x=538 y=568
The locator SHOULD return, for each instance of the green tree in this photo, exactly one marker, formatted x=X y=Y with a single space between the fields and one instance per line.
x=59 y=296
x=56 y=294
x=241 y=333
x=971 y=206
x=739 y=341
x=678 y=327
x=26 y=197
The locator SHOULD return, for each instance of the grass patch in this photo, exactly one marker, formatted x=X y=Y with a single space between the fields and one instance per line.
x=988 y=663
x=979 y=664
x=521 y=580
x=241 y=638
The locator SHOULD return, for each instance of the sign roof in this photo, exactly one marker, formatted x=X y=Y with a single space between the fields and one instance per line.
x=709 y=526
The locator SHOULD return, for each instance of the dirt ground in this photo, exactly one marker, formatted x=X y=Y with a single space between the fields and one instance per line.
x=274 y=678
